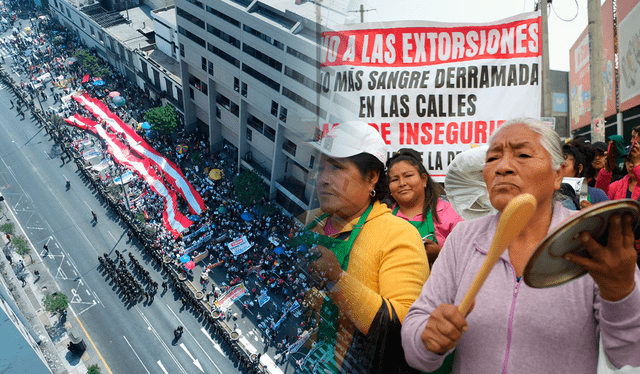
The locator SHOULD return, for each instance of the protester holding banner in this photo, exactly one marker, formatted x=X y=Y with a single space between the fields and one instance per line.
x=374 y=264
x=513 y=328
x=415 y=197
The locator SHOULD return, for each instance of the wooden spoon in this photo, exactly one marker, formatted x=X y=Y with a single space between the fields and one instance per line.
x=512 y=220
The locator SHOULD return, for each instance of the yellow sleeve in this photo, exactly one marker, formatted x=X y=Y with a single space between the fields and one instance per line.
x=402 y=269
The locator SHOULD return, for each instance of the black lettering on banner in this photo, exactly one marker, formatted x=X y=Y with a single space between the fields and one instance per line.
x=326 y=82
x=434 y=163
x=367 y=103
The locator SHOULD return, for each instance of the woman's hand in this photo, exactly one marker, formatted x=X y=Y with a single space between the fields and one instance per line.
x=611 y=267
x=433 y=250
x=444 y=328
x=326 y=264
x=585 y=204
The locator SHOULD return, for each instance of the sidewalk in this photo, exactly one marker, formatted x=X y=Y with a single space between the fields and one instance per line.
x=53 y=332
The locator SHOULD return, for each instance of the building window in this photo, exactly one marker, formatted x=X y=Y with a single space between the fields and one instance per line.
x=255 y=123
x=274 y=108
x=269 y=133
x=228 y=104
x=68 y=13
x=236 y=84
x=196 y=3
x=244 y=89
x=197 y=83
x=290 y=147
x=218 y=112
x=193 y=37
x=249 y=134
x=299 y=77
x=191 y=95
x=262 y=57
x=130 y=56
x=304 y=102
x=82 y=23
x=169 y=87
x=283 y=114
x=302 y=57
x=179 y=94
x=312 y=160
x=224 y=55
x=204 y=64
x=181 y=50
x=210 y=65
x=223 y=16
x=190 y=17
x=224 y=36
x=145 y=70
x=265 y=38
x=261 y=77
x=93 y=33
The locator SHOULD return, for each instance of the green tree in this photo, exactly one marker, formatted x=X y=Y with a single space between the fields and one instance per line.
x=162 y=119
x=21 y=245
x=56 y=303
x=93 y=369
x=91 y=64
x=249 y=187
x=7 y=228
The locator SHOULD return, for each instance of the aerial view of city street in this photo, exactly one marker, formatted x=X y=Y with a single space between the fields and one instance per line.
x=199 y=186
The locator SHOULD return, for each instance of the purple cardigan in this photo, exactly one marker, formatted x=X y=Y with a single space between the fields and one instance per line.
x=514 y=328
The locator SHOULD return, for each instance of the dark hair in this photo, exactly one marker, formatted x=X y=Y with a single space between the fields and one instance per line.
x=583 y=154
x=432 y=191
x=636 y=129
x=366 y=163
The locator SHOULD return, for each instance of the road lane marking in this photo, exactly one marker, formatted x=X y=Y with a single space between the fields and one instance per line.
x=195 y=361
x=162 y=367
x=195 y=340
x=136 y=353
x=94 y=346
x=215 y=344
x=160 y=339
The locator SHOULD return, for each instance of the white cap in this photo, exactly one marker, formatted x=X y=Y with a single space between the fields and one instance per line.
x=352 y=138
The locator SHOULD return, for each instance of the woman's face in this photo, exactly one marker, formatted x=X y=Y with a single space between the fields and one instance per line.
x=342 y=191
x=598 y=161
x=570 y=170
x=406 y=184
x=517 y=163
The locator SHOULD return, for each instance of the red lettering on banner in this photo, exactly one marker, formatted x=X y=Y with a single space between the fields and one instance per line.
x=426 y=129
x=384 y=132
x=424 y=46
x=466 y=132
x=413 y=133
x=452 y=133
x=481 y=132
x=439 y=131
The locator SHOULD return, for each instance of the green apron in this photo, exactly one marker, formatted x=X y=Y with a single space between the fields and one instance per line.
x=426 y=229
x=322 y=357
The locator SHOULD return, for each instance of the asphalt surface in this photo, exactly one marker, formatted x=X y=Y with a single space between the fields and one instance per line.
x=130 y=339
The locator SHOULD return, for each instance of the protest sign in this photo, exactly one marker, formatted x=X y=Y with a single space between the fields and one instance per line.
x=234 y=293
x=239 y=246
x=434 y=87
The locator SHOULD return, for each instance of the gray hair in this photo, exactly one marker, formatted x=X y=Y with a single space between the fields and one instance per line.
x=549 y=139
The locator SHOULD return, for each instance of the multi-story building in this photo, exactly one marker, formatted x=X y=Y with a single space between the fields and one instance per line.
x=127 y=40
x=250 y=71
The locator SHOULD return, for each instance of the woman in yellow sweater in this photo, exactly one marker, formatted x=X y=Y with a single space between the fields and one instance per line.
x=373 y=262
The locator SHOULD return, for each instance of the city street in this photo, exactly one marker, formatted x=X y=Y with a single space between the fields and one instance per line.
x=138 y=339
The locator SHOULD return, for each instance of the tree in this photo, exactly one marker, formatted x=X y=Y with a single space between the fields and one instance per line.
x=21 y=245
x=57 y=302
x=92 y=64
x=7 y=228
x=162 y=119
x=93 y=369
x=249 y=188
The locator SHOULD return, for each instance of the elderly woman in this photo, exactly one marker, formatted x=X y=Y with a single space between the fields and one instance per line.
x=514 y=328
x=373 y=263
x=415 y=197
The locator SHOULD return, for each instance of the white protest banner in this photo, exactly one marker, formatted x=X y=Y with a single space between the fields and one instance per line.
x=239 y=246
x=263 y=298
x=434 y=87
x=233 y=294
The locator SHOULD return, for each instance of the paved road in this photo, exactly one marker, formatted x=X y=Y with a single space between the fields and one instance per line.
x=131 y=339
